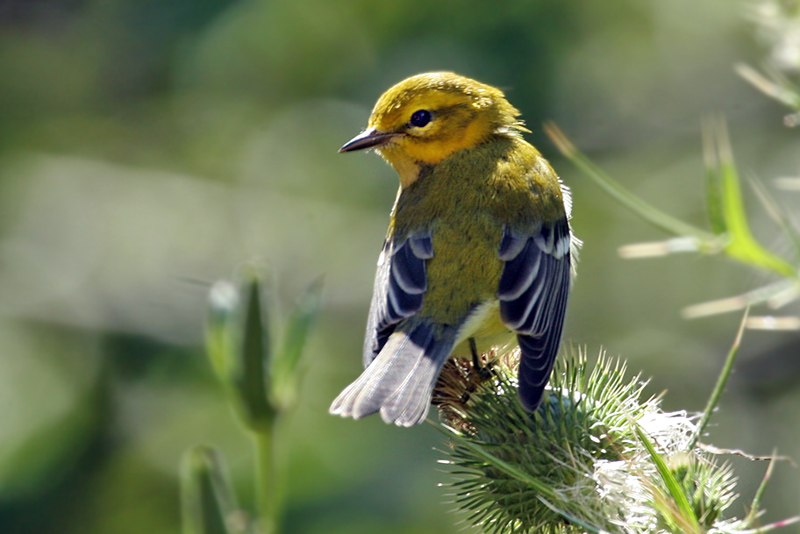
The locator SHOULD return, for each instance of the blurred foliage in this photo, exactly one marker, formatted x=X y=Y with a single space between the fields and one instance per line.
x=262 y=379
x=150 y=147
x=208 y=504
x=730 y=228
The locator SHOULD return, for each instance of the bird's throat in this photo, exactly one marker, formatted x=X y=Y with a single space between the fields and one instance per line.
x=407 y=169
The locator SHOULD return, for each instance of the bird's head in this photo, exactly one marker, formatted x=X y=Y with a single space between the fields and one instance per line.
x=425 y=118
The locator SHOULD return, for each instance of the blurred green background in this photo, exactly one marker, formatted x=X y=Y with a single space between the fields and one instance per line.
x=150 y=147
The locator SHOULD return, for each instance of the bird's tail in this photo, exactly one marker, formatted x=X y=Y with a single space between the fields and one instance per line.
x=400 y=380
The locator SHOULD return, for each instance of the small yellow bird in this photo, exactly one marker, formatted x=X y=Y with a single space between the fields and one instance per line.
x=478 y=247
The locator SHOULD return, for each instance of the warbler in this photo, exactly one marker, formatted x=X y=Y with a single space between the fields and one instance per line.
x=478 y=250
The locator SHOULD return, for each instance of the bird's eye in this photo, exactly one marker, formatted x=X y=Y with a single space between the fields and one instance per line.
x=420 y=118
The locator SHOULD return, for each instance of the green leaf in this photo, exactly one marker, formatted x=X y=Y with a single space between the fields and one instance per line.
x=741 y=243
x=298 y=328
x=674 y=488
x=716 y=219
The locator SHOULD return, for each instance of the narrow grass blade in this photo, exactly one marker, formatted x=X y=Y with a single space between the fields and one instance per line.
x=714 y=210
x=719 y=388
x=648 y=212
x=674 y=488
x=779 y=88
x=779 y=216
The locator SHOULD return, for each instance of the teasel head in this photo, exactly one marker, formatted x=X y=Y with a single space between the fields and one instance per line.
x=594 y=457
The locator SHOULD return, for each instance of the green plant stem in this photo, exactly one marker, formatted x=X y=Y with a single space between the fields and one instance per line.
x=268 y=493
x=752 y=514
x=713 y=401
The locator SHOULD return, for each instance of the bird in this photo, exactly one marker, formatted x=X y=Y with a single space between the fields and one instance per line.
x=479 y=250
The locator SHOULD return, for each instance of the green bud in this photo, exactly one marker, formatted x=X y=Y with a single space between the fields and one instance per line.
x=238 y=345
x=208 y=501
x=224 y=303
x=590 y=459
x=251 y=378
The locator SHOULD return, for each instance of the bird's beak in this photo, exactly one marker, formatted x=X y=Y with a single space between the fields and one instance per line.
x=369 y=138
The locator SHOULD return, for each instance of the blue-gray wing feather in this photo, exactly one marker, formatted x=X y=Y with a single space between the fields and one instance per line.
x=533 y=291
x=400 y=284
x=403 y=354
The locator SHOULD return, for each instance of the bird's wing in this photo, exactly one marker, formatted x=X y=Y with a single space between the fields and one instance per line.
x=533 y=291
x=400 y=284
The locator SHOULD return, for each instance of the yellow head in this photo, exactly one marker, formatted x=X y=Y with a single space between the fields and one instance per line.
x=425 y=118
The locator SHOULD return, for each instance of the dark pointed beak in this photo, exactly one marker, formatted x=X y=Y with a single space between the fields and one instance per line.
x=369 y=138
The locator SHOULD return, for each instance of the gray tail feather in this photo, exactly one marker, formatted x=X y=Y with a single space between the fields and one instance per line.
x=400 y=380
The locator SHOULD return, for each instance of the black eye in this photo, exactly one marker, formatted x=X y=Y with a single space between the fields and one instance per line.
x=420 y=118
